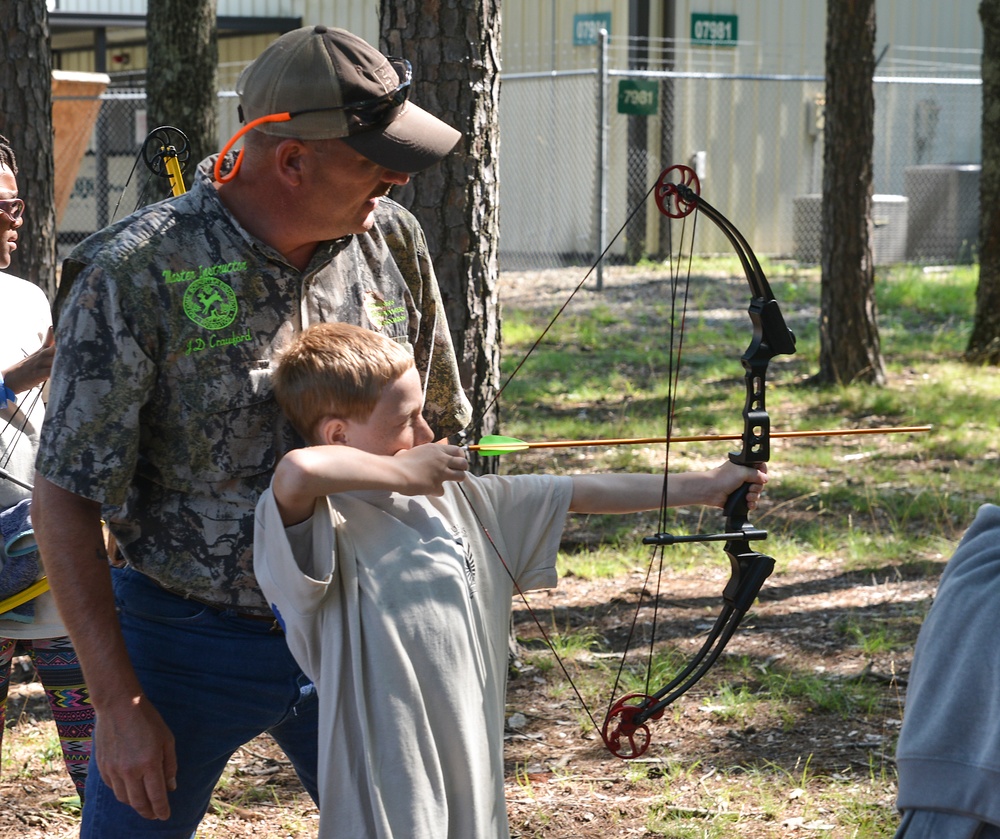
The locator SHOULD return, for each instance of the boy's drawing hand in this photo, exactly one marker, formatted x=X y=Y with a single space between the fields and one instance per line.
x=428 y=466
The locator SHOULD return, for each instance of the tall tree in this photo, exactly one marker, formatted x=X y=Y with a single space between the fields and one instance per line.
x=849 y=339
x=181 y=74
x=454 y=46
x=984 y=343
x=26 y=120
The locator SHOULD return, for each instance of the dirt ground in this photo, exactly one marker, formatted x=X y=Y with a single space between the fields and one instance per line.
x=759 y=766
x=560 y=780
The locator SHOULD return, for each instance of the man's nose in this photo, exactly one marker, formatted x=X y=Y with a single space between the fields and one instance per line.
x=393 y=177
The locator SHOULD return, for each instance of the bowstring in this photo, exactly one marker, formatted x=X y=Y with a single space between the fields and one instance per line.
x=679 y=297
x=593 y=267
x=142 y=190
x=679 y=270
x=18 y=429
x=534 y=346
x=534 y=617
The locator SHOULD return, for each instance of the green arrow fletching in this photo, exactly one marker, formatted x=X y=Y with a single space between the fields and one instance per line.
x=492 y=445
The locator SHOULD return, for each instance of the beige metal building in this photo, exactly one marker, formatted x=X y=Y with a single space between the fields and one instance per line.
x=733 y=87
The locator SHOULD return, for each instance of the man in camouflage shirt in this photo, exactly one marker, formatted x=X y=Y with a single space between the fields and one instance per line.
x=161 y=415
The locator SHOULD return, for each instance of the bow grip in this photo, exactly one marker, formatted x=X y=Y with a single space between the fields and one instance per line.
x=736 y=509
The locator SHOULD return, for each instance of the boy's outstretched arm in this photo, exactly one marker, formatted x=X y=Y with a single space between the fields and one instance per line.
x=303 y=475
x=632 y=493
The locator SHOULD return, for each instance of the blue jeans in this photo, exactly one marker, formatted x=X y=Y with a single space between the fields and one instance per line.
x=928 y=824
x=218 y=681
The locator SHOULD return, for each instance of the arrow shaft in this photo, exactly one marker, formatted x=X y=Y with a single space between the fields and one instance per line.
x=701 y=438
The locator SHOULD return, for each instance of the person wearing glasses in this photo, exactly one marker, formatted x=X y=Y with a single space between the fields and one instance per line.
x=161 y=415
x=30 y=625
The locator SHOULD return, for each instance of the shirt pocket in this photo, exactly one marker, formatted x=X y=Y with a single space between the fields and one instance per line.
x=230 y=420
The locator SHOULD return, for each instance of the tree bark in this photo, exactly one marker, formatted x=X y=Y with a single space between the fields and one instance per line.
x=454 y=46
x=26 y=120
x=181 y=78
x=984 y=343
x=849 y=340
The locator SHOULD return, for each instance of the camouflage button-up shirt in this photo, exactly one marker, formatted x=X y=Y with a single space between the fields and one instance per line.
x=161 y=405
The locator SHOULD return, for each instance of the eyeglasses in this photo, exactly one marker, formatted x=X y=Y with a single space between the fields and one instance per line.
x=361 y=116
x=371 y=113
x=13 y=208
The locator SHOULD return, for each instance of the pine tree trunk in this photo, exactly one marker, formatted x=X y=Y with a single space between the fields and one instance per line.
x=454 y=46
x=984 y=343
x=181 y=78
x=26 y=120
x=849 y=339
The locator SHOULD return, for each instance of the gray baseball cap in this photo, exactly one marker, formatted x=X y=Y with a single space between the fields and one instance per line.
x=318 y=82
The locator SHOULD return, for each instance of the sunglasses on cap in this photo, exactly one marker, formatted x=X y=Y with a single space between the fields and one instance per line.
x=13 y=208
x=361 y=116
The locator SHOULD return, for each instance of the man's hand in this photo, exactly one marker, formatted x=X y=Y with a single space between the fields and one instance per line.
x=135 y=752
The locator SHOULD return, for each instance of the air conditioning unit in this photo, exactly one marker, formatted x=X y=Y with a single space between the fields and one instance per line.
x=889 y=218
x=943 y=223
x=890 y=214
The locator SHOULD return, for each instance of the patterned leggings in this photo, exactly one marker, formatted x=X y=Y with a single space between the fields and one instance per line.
x=59 y=670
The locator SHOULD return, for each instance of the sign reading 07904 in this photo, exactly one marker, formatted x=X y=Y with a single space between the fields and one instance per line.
x=714 y=30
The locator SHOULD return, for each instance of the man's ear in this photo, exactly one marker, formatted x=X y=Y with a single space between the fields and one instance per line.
x=289 y=156
x=332 y=431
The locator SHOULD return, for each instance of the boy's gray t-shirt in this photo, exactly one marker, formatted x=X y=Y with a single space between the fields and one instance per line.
x=398 y=608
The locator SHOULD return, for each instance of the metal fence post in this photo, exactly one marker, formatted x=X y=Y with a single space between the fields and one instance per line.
x=602 y=157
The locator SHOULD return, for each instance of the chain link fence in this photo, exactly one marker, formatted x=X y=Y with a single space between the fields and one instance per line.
x=581 y=149
x=756 y=143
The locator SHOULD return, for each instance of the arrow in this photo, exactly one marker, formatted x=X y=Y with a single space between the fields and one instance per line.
x=493 y=445
x=5 y=475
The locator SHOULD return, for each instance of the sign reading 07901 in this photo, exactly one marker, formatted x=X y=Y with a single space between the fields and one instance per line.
x=714 y=30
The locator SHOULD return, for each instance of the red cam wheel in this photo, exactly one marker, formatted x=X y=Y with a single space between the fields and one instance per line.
x=622 y=735
x=674 y=201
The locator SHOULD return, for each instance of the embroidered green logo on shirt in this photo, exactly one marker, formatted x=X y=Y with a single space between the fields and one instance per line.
x=210 y=302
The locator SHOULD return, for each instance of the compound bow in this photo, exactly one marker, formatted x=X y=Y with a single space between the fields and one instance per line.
x=625 y=730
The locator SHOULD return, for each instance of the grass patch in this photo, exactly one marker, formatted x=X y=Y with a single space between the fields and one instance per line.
x=600 y=373
x=765 y=745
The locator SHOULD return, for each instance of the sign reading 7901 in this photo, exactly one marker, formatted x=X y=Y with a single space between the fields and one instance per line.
x=638 y=97
x=714 y=30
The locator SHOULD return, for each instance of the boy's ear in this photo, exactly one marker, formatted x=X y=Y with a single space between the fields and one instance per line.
x=332 y=431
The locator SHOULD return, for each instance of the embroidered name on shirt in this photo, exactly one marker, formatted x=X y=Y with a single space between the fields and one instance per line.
x=211 y=271
x=383 y=313
x=199 y=344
